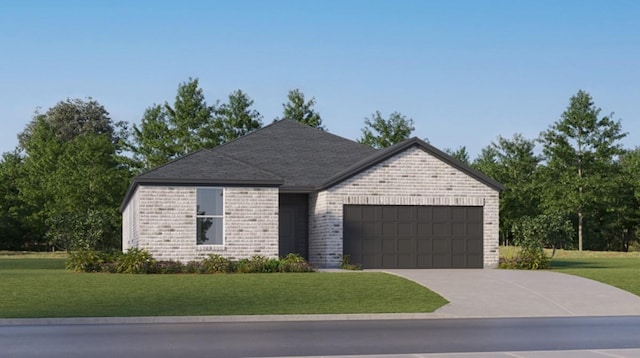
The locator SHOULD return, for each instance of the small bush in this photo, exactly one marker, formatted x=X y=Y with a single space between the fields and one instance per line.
x=258 y=264
x=194 y=267
x=168 y=267
x=215 y=264
x=85 y=260
x=345 y=264
x=136 y=261
x=294 y=263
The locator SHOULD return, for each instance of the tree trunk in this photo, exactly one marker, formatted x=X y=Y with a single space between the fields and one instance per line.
x=580 y=230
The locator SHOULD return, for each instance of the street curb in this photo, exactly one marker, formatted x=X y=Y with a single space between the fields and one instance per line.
x=217 y=319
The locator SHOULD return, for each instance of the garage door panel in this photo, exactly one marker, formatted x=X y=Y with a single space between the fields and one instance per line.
x=442 y=229
x=370 y=229
x=425 y=246
x=413 y=236
x=441 y=214
x=424 y=261
x=389 y=247
x=441 y=245
x=474 y=214
x=459 y=229
x=406 y=229
x=458 y=246
x=389 y=229
x=407 y=261
x=371 y=247
x=390 y=261
x=459 y=214
x=442 y=261
x=424 y=214
x=406 y=213
x=406 y=245
x=389 y=213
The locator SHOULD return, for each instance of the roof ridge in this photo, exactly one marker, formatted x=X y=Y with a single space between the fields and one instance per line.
x=247 y=164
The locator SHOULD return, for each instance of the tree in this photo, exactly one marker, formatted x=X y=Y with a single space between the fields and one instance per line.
x=236 y=118
x=299 y=110
x=15 y=233
x=169 y=131
x=71 y=177
x=579 y=151
x=460 y=154
x=380 y=133
x=513 y=163
x=73 y=117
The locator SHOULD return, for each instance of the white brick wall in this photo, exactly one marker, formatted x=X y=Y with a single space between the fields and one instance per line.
x=410 y=178
x=162 y=220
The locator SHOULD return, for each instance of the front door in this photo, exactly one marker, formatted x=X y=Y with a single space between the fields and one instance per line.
x=293 y=225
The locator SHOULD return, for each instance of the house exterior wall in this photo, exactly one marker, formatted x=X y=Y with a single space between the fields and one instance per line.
x=412 y=177
x=162 y=220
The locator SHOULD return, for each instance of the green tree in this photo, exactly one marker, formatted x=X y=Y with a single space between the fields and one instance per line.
x=579 y=150
x=460 y=154
x=513 y=163
x=15 y=233
x=69 y=178
x=236 y=118
x=297 y=109
x=169 y=131
x=380 y=133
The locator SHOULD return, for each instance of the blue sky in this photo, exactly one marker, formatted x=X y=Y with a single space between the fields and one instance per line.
x=464 y=71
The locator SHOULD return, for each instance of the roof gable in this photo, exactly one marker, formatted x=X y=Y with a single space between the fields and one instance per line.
x=386 y=153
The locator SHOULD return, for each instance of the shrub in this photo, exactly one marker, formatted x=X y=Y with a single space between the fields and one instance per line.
x=168 y=267
x=194 y=267
x=345 y=264
x=529 y=233
x=258 y=264
x=294 y=263
x=136 y=261
x=84 y=260
x=215 y=264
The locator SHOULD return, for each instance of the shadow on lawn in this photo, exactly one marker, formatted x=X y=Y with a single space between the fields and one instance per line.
x=568 y=264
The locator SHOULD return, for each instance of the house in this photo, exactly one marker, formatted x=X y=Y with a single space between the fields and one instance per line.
x=291 y=188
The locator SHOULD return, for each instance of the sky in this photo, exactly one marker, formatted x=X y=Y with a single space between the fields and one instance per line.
x=466 y=72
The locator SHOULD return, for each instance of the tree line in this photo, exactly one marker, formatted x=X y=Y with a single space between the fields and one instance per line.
x=62 y=185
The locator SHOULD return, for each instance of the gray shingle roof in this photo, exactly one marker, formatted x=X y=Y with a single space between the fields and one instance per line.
x=287 y=154
x=205 y=167
x=303 y=156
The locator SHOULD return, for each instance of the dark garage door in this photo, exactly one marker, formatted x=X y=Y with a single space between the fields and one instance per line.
x=384 y=236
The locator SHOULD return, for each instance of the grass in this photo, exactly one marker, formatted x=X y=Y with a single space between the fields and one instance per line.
x=41 y=287
x=618 y=269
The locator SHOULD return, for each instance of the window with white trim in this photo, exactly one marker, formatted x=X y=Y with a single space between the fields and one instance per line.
x=210 y=216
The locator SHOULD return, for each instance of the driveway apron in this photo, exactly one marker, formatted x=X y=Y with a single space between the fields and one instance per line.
x=513 y=293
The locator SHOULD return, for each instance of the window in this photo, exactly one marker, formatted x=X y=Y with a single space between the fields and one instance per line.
x=209 y=216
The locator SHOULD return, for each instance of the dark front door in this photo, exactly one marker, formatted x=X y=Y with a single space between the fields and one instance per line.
x=293 y=225
x=397 y=236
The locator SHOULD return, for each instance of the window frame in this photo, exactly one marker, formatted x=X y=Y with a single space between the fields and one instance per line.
x=221 y=216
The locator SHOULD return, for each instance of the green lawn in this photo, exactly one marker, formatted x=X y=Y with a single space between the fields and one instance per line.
x=617 y=269
x=41 y=287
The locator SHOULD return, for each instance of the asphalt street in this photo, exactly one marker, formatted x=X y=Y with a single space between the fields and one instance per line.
x=320 y=338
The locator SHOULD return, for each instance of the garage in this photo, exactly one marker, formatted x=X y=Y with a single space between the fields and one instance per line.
x=413 y=236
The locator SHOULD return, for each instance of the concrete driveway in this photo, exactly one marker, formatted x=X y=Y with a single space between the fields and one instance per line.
x=513 y=293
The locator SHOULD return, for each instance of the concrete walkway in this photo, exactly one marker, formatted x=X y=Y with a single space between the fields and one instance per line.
x=514 y=293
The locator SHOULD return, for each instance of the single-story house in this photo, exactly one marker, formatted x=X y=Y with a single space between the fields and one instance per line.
x=291 y=188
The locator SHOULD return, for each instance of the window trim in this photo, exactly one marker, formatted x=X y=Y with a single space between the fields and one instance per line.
x=221 y=216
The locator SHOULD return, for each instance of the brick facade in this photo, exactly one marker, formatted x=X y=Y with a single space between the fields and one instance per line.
x=412 y=177
x=162 y=220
